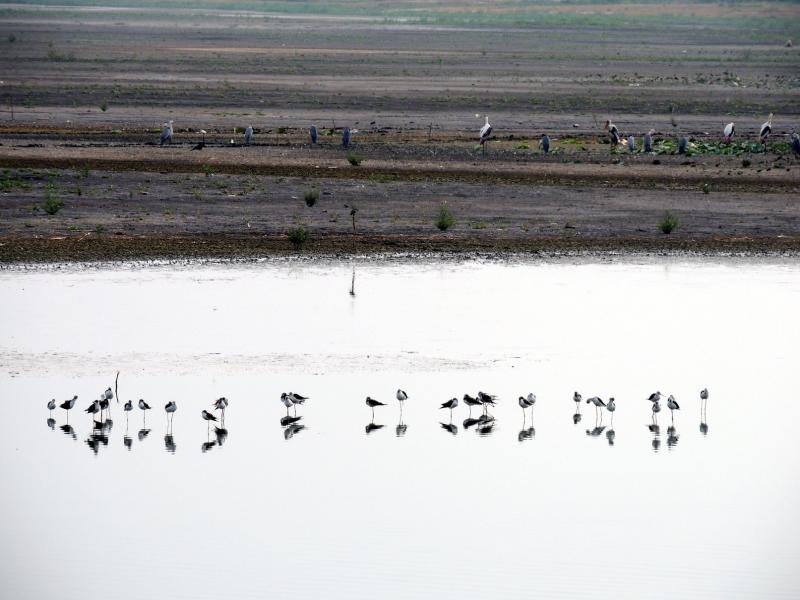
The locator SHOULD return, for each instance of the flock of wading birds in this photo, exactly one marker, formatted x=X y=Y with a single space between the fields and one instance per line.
x=292 y=423
x=485 y=134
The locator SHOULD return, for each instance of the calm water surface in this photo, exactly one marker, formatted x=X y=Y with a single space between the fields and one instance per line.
x=421 y=507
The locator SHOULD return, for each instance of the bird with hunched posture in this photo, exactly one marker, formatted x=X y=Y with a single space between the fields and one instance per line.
x=127 y=407
x=794 y=141
x=166 y=132
x=208 y=417
x=372 y=403
x=451 y=404
x=287 y=402
x=655 y=397
x=68 y=404
x=523 y=403
x=94 y=408
x=401 y=397
x=648 y=140
x=470 y=401
x=728 y=132
x=170 y=408
x=703 y=395
x=51 y=404
x=144 y=406
x=312 y=133
x=248 y=135
x=109 y=394
x=766 y=129
x=598 y=403
x=486 y=400
x=683 y=143
x=576 y=397
x=544 y=143
x=613 y=132
x=631 y=144
x=672 y=405
x=345 y=137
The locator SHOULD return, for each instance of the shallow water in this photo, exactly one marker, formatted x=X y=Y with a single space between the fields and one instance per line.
x=417 y=508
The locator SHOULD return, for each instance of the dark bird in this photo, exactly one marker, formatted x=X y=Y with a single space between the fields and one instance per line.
x=682 y=144
x=672 y=405
x=289 y=420
x=544 y=143
x=143 y=405
x=487 y=399
x=68 y=404
x=207 y=416
x=221 y=434
x=94 y=408
x=470 y=401
x=648 y=140
x=373 y=427
x=312 y=132
x=794 y=140
x=449 y=427
x=345 y=137
x=291 y=430
x=51 y=404
x=451 y=404
x=202 y=143
x=613 y=132
x=169 y=443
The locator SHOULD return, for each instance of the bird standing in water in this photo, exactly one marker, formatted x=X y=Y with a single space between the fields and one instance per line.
x=672 y=405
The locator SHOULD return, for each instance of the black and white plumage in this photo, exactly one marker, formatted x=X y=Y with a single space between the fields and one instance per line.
x=470 y=401
x=648 y=140
x=596 y=400
x=613 y=132
x=94 y=408
x=312 y=133
x=143 y=405
x=287 y=402
x=631 y=144
x=451 y=404
x=207 y=416
x=248 y=135
x=108 y=394
x=729 y=132
x=166 y=132
x=655 y=397
x=297 y=398
x=656 y=408
x=202 y=143
x=170 y=407
x=794 y=141
x=287 y=420
x=128 y=406
x=704 y=394
x=766 y=129
x=576 y=397
x=485 y=132
x=683 y=143
x=345 y=137
x=401 y=396
x=611 y=405
x=672 y=405
x=544 y=143
x=523 y=403
x=68 y=404
x=372 y=403
x=104 y=402
x=220 y=403
x=51 y=404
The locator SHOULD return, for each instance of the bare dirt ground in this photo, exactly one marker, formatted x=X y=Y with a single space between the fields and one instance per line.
x=84 y=92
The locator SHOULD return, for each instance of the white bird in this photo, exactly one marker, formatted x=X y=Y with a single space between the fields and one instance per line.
x=728 y=132
x=52 y=404
x=766 y=129
x=485 y=132
x=613 y=132
x=248 y=135
x=631 y=143
x=166 y=132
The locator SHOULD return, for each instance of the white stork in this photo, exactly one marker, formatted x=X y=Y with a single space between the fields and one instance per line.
x=766 y=129
x=485 y=132
x=728 y=132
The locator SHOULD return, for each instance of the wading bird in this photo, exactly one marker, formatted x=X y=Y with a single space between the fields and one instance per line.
x=470 y=401
x=202 y=143
x=94 y=408
x=451 y=404
x=287 y=402
x=766 y=129
x=109 y=394
x=372 y=403
x=51 y=405
x=127 y=407
x=544 y=143
x=68 y=404
x=345 y=137
x=648 y=140
x=656 y=409
x=312 y=133
x=672 y=405
x=170 y=407
x=598 y=404
x=145 y=407
x=401 y=397
x=704 y=397
x=248 y=135
x=655 y=397
x=487 y=400
x=577 y=398
x=613 y=132
x=523 y=404
x=631 y=144
x=682 y=144
x=728 y=132
x=611 y=407
x=484 y=134
x=208 y=417
x=166 y=132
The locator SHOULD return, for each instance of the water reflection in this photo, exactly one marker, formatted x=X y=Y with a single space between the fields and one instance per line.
x=68 y=430
x=221 y=433
x=401 y=428
x=51 y=423
x=599 y=429
x=143 y=433
x=672 y=437
x=373 y=427
x=469 y=422
x=449 y=427
x=526 y=433
x=611 y=436
x=169 y=443
x=486 y=423
x=576 y=418
x=656 y=431
x=128 y=441
x=292 y=430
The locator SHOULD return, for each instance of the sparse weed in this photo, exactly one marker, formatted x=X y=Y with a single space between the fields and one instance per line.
x=354 y=160
x=444 y=220
x=668 y=223
x=297 y=236
x=311 y=197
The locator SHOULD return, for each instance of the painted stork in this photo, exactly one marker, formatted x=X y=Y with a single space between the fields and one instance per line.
x=613 y=132
x=166 y=132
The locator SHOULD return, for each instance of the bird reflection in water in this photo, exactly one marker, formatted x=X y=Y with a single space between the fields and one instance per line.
x=143 y=433
x=68 y=430
x=221 y=433
x=672 y=437
x=372 y=427
x=353 y=284
x=128 y=441
x=169 y=443
x=704 y=412
x=596 y=432
x=449 y=427
x=207 y=446
x=486 y=424
x=526 y=433
x=95 y=440
x=576 y=418
x=292 y=430
x=287 y=420
x=656 y=431
x=51 y=423
x=469 y=422
x=401 y=428
x=610 y=436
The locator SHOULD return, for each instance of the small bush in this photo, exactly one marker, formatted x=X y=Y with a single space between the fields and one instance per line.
x=311 y=197
x=706 y=188
x=445 y=219
x=297 y=236
x=51 y=204
x=98 y=229
x=354 y=160
x=668 y=223
x=746 y=162
x=208 y=170
x=104 y=106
